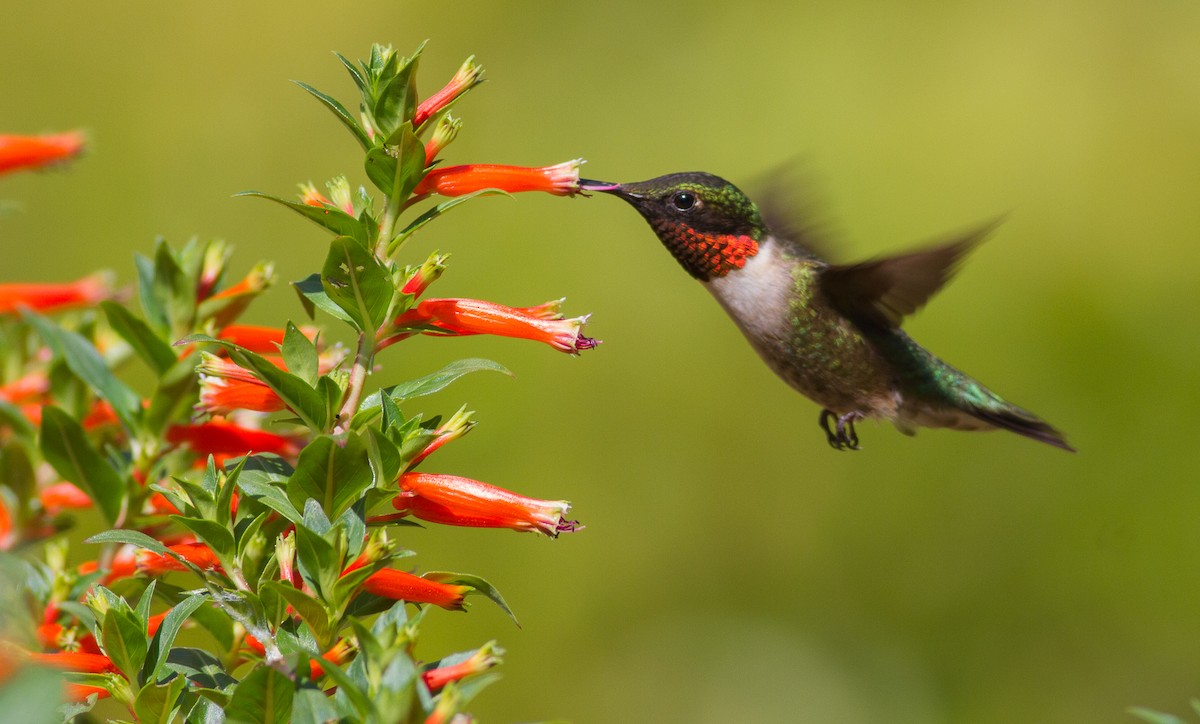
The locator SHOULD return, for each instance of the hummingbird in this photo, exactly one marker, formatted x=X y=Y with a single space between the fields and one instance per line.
x=831 y=331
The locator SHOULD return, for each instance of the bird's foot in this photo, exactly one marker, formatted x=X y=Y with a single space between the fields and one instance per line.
x=842 y=435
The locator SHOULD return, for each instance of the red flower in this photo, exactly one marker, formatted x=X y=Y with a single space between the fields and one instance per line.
x=32 y=385
x=446 y=131
x=18 y=152
x=560 y=180
x=451 y=500
x=473 y=316
x=61 y=496
x=401 y=586
x=225 y=440
x=225 y=387
x=76 y=661
x=196 y=553
x=467 y=77
x=85 y=292
x=485 y=658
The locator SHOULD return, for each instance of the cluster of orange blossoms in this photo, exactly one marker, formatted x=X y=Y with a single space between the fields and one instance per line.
x=225 y=388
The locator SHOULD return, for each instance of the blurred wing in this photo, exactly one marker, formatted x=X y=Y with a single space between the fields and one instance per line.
x=790 y=209
x=884 y=291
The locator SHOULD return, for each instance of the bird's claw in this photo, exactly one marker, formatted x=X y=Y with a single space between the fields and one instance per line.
x=842 y=436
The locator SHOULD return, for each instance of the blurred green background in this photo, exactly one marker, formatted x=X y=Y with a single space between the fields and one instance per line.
x=734 y=568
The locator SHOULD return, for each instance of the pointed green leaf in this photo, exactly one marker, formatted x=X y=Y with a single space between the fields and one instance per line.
x=358 y=283
x=359 y=80
x=349 y=121
x=313 y=296
x=410 y=155
x=156 y=704
x=380 y=166
x=263 y=697
x=173 y=290
x=132 y=537
x=156 y=353
x=124 y=640
x=334 y=220
x=333 y=475
x=212 y=533
x=300 y=354
x=164 y=638
x=479 y=584
x=12 y=417
x=317 y=560
x=66 y=447
x=435 y=381
x=396 y=102
x=309 y=608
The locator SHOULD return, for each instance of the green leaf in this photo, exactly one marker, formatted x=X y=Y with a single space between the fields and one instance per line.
x=309 y=608
x=156 y=704
x=313 y=296
x=124 y=640
x=380 y=166
x=410 y=156
x=175 y=391
x=312 y=706
x=200 y=667
x=396 y=102
x=435 y=381
x=334 y=475
x=87 y=364
x=134 y=538
x=317 y=560
x=349 y=121
x=333 y=220
x=164 y=638
x=156 y=353
x=359 y=80
x=66 y=447
x=300 y=355
x=263 y=697
x=144 y=603
x=173 y=290
x=358 y=283
x=434 y=212
x=479 y=584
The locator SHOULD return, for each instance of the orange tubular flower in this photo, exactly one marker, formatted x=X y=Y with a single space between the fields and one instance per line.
x=560 y=180
x=196 y=553
x=80 y=692
x=482 y=660
x=401 y=586
x=473 y=316
x=467 y=77
x=451 y=500
x=85 y=292
x=76 y=661
x=225 y=387
x=21 y=152
x=33 y=385
x=63 y=496
x=258 y=339
x=224 y=440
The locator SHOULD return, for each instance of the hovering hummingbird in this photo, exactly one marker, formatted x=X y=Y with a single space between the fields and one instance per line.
x=831 y=331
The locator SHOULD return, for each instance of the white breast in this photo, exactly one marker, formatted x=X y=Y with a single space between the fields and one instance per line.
x=757 y=295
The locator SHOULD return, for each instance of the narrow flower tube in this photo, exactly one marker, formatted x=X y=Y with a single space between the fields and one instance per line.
x=483 y=659
x=451 y=500
x=468 y=76
x=85 y=292
x=458 y=425
x=426 y=274
x=63 y=496
x=446 y=131
x=225 y=387
x=196 y=553
x=474 y=316
x=32 y=385
x=561 y=179
x=27 y=152
x=401 y=586
x=77 y=661
x=224 y=440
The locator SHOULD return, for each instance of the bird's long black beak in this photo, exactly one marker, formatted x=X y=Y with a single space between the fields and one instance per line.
x=587 y=184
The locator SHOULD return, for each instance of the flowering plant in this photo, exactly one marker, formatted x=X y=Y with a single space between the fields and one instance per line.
x=251 y=567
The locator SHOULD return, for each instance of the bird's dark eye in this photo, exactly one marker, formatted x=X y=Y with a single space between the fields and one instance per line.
x=684 y=201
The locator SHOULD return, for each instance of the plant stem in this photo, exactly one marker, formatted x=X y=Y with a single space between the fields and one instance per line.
x=363 y=359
